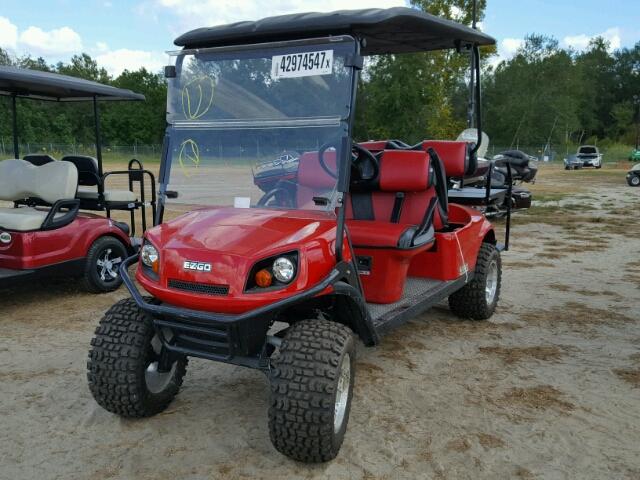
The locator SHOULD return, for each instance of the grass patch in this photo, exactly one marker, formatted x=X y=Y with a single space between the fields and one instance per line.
x=630 y=376
x=541 y=397
x=490 y=441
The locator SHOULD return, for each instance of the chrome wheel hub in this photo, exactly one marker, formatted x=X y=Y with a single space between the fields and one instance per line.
x=491 y=285
x=342 y=393
x=107 y=266
x=155 y=380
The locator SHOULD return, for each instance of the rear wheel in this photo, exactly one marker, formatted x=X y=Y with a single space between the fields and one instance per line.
x=478 y=299
x=634 y=180
x=126 y=372
x=311 y=389
x=101 y=271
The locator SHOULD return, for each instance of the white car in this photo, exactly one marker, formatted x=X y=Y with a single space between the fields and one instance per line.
x=590 y=156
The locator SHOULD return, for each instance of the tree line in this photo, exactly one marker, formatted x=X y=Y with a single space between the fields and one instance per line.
x=544 y=94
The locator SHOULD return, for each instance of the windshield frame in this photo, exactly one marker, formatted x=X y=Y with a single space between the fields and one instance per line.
x=354 y=63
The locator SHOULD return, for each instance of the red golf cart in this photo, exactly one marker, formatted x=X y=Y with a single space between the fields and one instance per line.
x=352 y=241
x=43 y=232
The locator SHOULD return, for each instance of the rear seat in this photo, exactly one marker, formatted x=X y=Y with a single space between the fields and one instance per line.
x=88 y=176
x=20 y=180
x=38 y=159
x=455 y=155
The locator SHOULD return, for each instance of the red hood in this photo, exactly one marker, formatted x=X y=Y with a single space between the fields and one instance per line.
x=232 y=240
x=239 y=231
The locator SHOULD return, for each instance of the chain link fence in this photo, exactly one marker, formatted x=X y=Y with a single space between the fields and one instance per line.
x=58 y=150
x=152 y=152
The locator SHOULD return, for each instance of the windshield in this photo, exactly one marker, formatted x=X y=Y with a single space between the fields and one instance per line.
x=588 y=150
x=259 y=126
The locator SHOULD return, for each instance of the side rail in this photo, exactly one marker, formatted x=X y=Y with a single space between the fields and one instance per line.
x=508 y=198
x=137 y=175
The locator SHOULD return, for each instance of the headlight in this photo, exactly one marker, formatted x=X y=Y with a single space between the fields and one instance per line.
x=149 y=256
x=283 y=269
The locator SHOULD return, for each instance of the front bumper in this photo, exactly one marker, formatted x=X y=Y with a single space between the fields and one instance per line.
x=217 y=336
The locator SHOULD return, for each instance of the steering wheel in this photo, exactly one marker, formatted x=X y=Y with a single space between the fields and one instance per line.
x=323 y=164
x=282 y=194
x=363 y=162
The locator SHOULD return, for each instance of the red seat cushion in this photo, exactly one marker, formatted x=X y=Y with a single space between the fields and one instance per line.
x=454 y=156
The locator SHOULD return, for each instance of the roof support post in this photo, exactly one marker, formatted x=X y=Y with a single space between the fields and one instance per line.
x=478 y=97
x=14 y=113
x=96 y=121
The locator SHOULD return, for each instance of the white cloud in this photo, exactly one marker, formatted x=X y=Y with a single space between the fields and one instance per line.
x=216 y=12
x=58 y=41
x=509 y=46
x=116 y=61
x=8 y=34
x=581 y=41
x=102 y=46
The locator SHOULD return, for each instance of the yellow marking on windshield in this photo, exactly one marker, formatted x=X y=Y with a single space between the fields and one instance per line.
x=189 y=152
x=195 y=88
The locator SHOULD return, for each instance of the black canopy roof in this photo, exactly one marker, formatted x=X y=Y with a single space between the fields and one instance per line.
x=392 y=30
x=53 y=86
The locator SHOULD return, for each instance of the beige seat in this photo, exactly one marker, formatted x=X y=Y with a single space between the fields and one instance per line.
x=88 y=177
x=20 y=180
x=110 y=196
x=23 y=219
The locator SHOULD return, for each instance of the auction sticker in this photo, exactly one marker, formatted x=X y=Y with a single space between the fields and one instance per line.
x=305 y=64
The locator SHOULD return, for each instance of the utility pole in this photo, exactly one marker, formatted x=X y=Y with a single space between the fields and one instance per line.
x=636 y=99
x=472 y=98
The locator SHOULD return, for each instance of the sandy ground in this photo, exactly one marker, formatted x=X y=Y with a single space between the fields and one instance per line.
x=549 y=388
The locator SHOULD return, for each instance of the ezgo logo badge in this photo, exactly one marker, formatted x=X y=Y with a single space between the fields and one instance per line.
x=197 y=266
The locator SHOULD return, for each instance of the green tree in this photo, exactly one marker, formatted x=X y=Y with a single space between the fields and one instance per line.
x=414 y=96
x=532 y=98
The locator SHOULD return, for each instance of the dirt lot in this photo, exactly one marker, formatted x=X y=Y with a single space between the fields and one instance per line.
x=549 y=388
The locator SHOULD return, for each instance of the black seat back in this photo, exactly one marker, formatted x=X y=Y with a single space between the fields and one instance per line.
x=38 y=159
x=88 y=174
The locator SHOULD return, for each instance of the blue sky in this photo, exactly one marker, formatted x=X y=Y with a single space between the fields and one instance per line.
x=129 y=33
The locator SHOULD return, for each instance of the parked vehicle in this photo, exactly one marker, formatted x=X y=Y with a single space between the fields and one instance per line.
x=284 y=280
x=572 y=162
x=590 y=156
x=633 y=176
x=635 y=156
x=45 y=233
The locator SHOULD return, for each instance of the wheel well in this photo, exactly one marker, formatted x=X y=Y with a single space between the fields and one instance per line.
x=490 y=237
x=127 y=245
x=343 y=306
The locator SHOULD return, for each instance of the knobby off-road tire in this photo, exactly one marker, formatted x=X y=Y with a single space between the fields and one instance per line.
x=310 y=397
x=103 y=262
x=120 y=366
x=478 y=299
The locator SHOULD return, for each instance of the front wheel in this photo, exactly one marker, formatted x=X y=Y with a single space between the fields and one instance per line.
x=634 y=181
x=126 y=371
x=477 y=300
x=101 y=271
x=311 y=389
